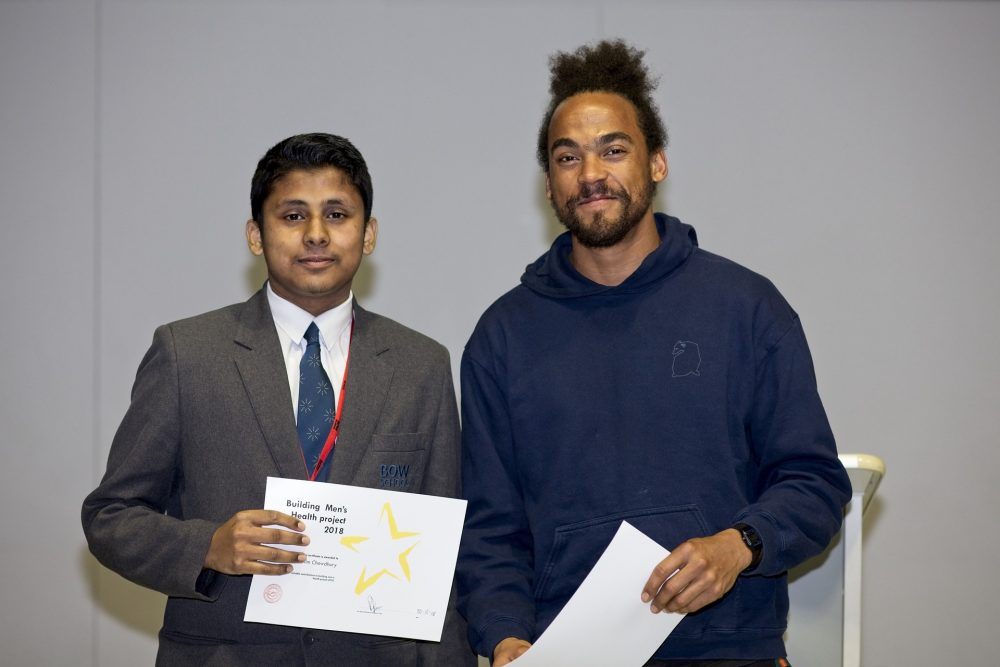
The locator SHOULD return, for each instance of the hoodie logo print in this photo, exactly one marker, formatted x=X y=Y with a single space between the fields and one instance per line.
x=687 y=359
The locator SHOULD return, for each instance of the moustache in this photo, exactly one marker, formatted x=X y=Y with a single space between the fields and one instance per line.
x=601 y=188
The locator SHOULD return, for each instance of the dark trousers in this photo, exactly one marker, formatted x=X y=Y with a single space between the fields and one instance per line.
x=779 y=662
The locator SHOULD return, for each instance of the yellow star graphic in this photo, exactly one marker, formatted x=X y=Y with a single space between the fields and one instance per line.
x=351 y=542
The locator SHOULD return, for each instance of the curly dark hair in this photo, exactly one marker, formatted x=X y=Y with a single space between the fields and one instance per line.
x=610 y=66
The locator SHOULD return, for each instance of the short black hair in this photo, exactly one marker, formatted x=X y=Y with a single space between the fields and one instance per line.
x=610 y=66
x=316 y=150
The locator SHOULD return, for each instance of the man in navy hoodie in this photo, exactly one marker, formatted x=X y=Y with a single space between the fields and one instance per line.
x=633 y=376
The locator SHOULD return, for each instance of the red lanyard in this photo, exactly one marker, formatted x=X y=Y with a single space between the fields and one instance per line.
x=331 y=438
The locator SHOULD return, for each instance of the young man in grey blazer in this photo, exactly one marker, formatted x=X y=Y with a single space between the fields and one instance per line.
x=213 y=414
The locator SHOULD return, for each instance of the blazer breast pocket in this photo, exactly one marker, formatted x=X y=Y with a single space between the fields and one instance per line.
x=395 y=461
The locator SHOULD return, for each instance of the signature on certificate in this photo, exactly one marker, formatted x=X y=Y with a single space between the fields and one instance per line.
x=373 y=607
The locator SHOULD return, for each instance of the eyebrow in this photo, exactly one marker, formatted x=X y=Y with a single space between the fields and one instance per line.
x=603 y=140
x=301 y=202
x=564 y=143
x=612 y=137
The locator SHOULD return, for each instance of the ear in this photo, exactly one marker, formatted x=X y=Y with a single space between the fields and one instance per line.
x=658 y=167
x=371 y=234
x=253 y=238
x=548 y=188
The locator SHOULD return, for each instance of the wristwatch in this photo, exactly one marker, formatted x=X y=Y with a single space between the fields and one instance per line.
x=751 y=538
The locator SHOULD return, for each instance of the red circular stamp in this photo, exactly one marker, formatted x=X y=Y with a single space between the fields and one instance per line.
x=272 y=593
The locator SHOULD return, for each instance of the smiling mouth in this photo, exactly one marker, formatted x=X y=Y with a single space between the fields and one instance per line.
x=594 y=199
x=316 y=262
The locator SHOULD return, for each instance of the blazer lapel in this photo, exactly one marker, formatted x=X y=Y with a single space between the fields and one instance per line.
x=258 y=358
x=368 y=379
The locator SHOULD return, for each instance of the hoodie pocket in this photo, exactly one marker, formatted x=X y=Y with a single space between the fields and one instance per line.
x=577 y=546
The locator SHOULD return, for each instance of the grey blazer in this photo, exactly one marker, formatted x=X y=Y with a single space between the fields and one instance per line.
x=210 y=419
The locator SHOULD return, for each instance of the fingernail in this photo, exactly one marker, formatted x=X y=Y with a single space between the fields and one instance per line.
x=301 y=526
x=653 y=608
x=301 y=558
x=305 y=539
x=288 y=569
x=645 y=597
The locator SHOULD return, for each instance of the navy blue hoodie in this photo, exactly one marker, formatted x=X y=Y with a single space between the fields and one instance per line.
x=682 y=400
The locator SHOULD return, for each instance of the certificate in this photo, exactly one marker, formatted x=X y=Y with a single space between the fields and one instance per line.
x=605 y=622
x=378 y=562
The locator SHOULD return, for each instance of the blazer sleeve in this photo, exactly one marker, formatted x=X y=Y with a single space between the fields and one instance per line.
x=442 y=478
x=131 y=520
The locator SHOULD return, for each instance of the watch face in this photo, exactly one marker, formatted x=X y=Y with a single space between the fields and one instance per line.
x=750 y=537
x=753 y=542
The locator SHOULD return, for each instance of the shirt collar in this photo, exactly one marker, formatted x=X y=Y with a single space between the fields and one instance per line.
x=294 y=321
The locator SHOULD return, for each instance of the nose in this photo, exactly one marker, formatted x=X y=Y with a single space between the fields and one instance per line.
x=591 y=169
x=316 y=233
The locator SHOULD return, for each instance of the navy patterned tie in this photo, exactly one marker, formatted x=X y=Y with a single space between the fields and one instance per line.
x=316 y=401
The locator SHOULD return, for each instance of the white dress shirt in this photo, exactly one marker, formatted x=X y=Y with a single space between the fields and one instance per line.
x=334 y=326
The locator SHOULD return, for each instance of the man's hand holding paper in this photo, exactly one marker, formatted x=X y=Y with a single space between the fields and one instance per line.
x=243 y=545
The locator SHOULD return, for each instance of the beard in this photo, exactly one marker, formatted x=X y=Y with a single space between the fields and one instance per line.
x=605 y=231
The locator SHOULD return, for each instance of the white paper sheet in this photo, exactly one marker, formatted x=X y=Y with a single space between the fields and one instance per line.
x=379 y=562
x=605 y=623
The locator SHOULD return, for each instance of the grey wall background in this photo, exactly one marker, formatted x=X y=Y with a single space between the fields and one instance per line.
x=848 y=150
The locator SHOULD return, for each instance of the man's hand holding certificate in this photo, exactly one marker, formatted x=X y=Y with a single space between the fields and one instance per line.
x=378 y=562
